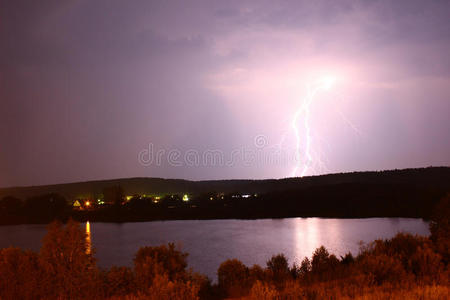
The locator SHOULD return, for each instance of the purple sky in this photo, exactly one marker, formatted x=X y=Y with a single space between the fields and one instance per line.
x=86 y=86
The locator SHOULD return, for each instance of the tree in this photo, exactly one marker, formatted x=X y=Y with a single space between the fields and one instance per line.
x=323 y=264
x=319 y=261
x=46 y=207
x=440 y=228
x=11 y=205
x=114 y=195
x=69 y=268
x=160 y=260
x=257 y=273
x=305 y=267
x=139 y=205
x=233 y=278
x=279 y=268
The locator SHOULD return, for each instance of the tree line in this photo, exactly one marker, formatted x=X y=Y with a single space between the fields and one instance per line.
x=344 y=200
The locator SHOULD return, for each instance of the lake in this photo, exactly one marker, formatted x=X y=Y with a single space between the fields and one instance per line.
x=210 y=242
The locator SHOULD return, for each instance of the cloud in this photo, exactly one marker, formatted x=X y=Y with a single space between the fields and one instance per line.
x=215 y=73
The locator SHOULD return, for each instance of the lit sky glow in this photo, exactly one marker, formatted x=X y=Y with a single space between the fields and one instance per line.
x=85 y=86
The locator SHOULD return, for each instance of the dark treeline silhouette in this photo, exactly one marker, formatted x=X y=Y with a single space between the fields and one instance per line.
x=38 y=209
x=403 y=267
x=340 y=200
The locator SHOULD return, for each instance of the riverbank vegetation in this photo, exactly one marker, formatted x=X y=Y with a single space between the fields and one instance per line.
x=403 y=267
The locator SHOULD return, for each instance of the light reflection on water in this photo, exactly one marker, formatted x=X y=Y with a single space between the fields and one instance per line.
x=88 y=238
x=210 y=242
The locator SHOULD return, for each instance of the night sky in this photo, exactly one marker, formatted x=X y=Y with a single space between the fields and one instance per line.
x=87 y=86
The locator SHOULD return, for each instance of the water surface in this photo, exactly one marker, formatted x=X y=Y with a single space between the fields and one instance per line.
x=210 y=242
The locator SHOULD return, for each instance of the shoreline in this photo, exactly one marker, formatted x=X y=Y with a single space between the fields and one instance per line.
x=213 y=219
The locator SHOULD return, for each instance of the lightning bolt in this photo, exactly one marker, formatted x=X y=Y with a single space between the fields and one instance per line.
x=305 y=111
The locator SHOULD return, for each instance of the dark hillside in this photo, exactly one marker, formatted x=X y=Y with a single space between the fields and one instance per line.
x=432 y=176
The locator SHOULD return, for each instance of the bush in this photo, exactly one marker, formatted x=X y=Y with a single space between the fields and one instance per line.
x=426 y=265
x=164 y=289
x=19 y=274
x=382 y=268
x=262 y=291
x=120 y=281
x=160 y=260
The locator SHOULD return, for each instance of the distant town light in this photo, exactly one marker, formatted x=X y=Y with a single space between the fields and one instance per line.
x=87 y=203
x=185 y=198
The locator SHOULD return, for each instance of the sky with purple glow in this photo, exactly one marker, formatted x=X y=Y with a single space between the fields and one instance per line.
x=87 y=86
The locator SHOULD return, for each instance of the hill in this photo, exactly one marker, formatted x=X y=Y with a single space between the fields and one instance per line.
x=431 y=176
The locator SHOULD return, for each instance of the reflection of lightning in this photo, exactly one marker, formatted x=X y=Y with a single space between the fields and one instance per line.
x=321 y=85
